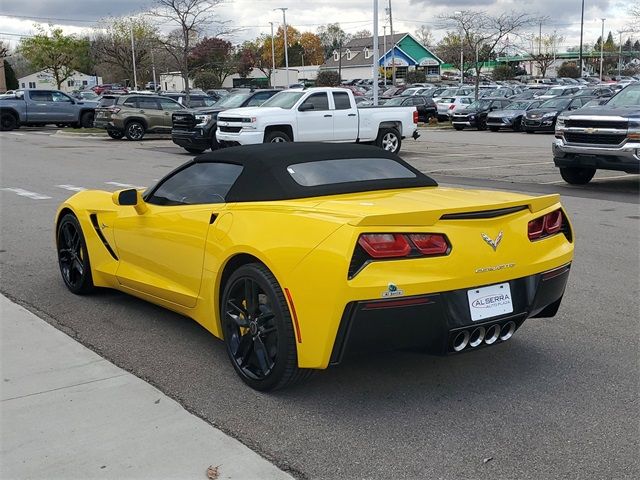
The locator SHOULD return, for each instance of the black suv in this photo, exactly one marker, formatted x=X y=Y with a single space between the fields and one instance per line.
x=195 y=130
x=475 y=114
x=196 y=100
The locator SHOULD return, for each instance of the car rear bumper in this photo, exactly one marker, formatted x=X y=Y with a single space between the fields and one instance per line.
x=434 y=322
x=625 y=158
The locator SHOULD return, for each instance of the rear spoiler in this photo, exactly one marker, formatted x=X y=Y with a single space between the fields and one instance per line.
x=430 y=217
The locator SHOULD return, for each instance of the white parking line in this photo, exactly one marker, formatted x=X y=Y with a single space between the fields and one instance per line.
x=16 y=133
x=491 y=166
x=73 y=188
x=26 y=193
x=123 y=185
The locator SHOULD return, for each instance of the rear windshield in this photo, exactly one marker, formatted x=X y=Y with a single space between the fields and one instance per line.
x=326 y=172
x=107 y=101
x=629 y=97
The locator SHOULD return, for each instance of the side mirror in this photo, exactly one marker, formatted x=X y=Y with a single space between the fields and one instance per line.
x=129 y=197
x=306 y=107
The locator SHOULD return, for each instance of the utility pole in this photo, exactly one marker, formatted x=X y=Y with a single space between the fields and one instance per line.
x=581 y=33
x=620 y=55
x=273 y=58
x=153 y=69
x=602 y=48
x=286 y=52
x=133 y=57
x=376 y=53
x=540 y=38
x=384 y=41
x=393 y=48
x=461 y=50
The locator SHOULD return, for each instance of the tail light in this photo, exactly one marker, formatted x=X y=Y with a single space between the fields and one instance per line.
x=385 y=245
x=451 y=107
x=430 y=243
x=415 y=116
x=113 y=110
x=547 y=225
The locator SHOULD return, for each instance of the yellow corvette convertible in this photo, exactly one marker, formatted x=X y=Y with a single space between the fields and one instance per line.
x=299 y=254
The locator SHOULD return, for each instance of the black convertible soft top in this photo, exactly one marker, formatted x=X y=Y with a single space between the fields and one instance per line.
x=265 y=177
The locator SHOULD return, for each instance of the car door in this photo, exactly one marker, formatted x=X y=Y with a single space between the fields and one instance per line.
x=39 y=105
x=63 y=108
x=168 y=106
x=345 y=118
x=314 y=119
x=150 y=110
x=162 y=249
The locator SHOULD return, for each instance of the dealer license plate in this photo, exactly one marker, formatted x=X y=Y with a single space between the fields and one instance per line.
x=488 y=302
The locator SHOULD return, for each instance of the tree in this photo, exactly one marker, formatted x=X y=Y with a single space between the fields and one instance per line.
x=10 y=77
x=58 y=53
x=191 y=17
x=328 y=78
x=332 y=37
x=543 y=50
x=312 y=48
x=112 y=46
x=504 y=72
x=484 y=32
x=362 y=34
x=448 y=49
x=416 y=76
x=293 y=38
x=425 y=36
x=215 y=56
x=4 y=49
x=568 y=69
x=206 y=80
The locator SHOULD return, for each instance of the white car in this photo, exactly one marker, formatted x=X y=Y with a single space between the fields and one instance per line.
x=560 y=91
x=448 y=105
x=317 y=115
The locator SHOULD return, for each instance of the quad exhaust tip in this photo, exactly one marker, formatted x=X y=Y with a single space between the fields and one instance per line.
x=488 y=336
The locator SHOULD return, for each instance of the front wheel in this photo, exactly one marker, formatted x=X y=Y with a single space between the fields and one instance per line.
x=8 y=122
x=195 y=151
x=115 y=134
x=517 y=125
x=577 y=175
x=73 y=256
x=86 y=121
x=481 y=124
x=458 y=127
x=494 y=129
x=258 y=329
x=276 y=137
x=389 y=140
x=134 y=131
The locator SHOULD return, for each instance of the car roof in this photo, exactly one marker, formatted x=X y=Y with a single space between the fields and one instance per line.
x=265 y=177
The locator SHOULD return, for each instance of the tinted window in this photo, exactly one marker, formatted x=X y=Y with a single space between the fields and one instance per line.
x=130 y=102
x=259 y=98
x=320 y=101
x=341 y=99
x=40 y=96
x=169 y=104
x=148 y=103
x=107 y=101
x=198 y=183
x=59 y=97
x=328 y=172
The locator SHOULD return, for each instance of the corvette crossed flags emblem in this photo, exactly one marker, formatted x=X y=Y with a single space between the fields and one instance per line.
x=492 y=243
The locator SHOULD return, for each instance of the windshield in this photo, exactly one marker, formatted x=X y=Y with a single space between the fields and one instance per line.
x=479 y=105
x=629 y=97
x=394 y=101
x=234 y=100
x=555 y=91
x=517 y=106
x=556 y=103
x=283 y=100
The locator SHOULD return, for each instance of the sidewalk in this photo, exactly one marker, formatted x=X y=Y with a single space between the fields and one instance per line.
x=68 y=413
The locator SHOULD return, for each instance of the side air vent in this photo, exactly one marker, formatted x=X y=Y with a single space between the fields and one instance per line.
x=483 y=214
x=96 y=226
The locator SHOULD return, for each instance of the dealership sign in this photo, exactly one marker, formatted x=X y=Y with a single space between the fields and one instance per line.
x=428 y=62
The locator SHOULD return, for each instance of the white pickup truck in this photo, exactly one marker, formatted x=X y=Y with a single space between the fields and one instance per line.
x=317 y=115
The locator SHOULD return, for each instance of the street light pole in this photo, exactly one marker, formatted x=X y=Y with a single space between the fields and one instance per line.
x=273 y=58
x=376 y=53
x=286 y=52
x=384 y=41
x=581 y=32
x=602 y=48
x=133 y=57
x=461 y=51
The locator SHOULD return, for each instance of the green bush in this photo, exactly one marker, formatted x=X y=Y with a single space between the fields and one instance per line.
x=327 y=78
x=568 y=69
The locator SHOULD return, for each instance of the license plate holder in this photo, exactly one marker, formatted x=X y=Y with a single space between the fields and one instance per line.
x=489 y=302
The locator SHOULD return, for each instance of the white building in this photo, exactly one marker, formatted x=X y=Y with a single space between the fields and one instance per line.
x=173 y=82
x=278 y=76
x=44 y=80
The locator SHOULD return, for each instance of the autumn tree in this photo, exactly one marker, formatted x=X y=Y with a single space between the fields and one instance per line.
x=424 y=35
x=312 y=48
x=215 y=56
x=543 y=50
x=192 y=18
x=484 y=32
x=448 y=49
x=362 y=34
x=55 y=52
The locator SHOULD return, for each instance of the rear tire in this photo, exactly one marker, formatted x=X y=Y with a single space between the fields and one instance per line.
x=494 y=129
x=8 y=122
x=258 y=329
x=517 y=125
x=276 y=137
x=481 y=124
x=86 y=120
x=134 y=131
x=458 y=127
x=389 y=140
x=530 y=131
x=577 y=175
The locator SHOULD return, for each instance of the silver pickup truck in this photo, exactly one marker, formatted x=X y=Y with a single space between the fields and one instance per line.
x=40 y=107
x=604 y=137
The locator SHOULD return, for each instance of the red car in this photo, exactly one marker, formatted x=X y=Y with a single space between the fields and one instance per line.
x=100 y=89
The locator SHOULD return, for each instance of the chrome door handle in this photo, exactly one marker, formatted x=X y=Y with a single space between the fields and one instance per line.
x=140 y=111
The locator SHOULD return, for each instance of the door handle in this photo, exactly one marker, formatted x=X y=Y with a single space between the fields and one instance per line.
x=351 y=115
x=140 y=111
x=327 y=116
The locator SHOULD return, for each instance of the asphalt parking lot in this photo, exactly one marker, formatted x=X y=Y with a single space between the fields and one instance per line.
x=559 y=400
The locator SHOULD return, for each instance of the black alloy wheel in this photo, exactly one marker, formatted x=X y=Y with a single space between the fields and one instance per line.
x=8 y=122
x=577 y=175
x=494 y=129
x=258 y=329
x=214 y=142
x=134 y=130
x=195 y=151
x=481 y=124
x=517 y=125
x=115 y=134
x=86 y=121
x=73 y=256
